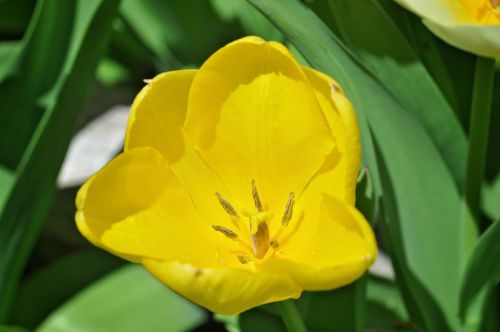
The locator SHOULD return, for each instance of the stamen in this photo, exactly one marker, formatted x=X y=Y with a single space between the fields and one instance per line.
x=244 y=259
x=256 y=198
x=274 y=244
x=226 y=231
x=227 y=206
x=287 y=215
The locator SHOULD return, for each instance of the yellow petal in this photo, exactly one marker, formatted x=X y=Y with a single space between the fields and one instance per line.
x=339 y=173
x=253 y=115
x=135 y=207
x=438 y=11
x=485 y=12
x=156 y=120
x=471 y=25
x=227 y=290
x=158 y=113
x=482 y=40
x=329 y=249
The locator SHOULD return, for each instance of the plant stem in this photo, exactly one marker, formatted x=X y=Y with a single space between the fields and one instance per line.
x=478 y=134
x=291 y=316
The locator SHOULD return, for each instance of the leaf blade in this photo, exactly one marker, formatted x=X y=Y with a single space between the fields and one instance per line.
x=129 y=299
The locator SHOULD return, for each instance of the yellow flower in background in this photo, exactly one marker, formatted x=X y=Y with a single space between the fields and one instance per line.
x=471 y=25
x=236 y=186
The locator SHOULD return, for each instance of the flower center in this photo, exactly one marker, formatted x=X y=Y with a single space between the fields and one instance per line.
x=478 y=11
x=258 y=220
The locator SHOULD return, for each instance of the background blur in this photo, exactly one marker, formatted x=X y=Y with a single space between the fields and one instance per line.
x=69 y=71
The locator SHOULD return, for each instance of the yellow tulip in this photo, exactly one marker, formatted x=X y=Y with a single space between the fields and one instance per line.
x=236 y=186
x=471 y=25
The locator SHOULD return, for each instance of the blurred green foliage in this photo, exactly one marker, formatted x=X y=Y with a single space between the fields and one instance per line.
x=63 y=63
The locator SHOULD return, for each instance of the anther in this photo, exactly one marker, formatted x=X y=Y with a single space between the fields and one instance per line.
x=244 y=258
x=287 y=215
x=227 y=206
x=226 y=231
x=256 y=198
x=274 y=244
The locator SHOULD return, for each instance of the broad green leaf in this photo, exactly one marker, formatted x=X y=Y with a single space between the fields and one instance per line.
x=47 y=289
x=452 y=69
x=386 y=309
x=129 y=299
x=491 y=189
x=365 y=196
x=393 y=61
x=252 y=21
x=420 y=196
x=7 y=179
x=440 y=59
x=40 y=103
x=483 y=268
x=339 y=310
x=188 y=30
x=231 y=323
x=255 y=320
x=154 y=23
x=491 y=197
x=8 y=54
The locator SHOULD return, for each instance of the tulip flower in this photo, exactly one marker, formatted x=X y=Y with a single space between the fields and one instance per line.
x=471 y=25
x=236 y=186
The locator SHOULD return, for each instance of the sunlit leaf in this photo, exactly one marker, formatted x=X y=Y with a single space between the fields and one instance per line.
x=129 y=299
x=483 y=268
x=45 y=290
x=394 y=62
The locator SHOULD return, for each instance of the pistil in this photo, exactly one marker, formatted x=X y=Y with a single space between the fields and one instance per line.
x=260 y=240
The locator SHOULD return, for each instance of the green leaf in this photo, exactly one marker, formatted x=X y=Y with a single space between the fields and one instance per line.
x=386 y=309
x=45 y=290
x=154 y=23
x=491 y=189
x=421 y=200
x=342 y=309
x=255 y=320
x=365 y=196
x=8 y=54
x=42 y=96
x=129 y=299
x=252 y=21
x=483 y=268
x=231 y=323
x=188 y=30
x=451 y=68
x=393 y=61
